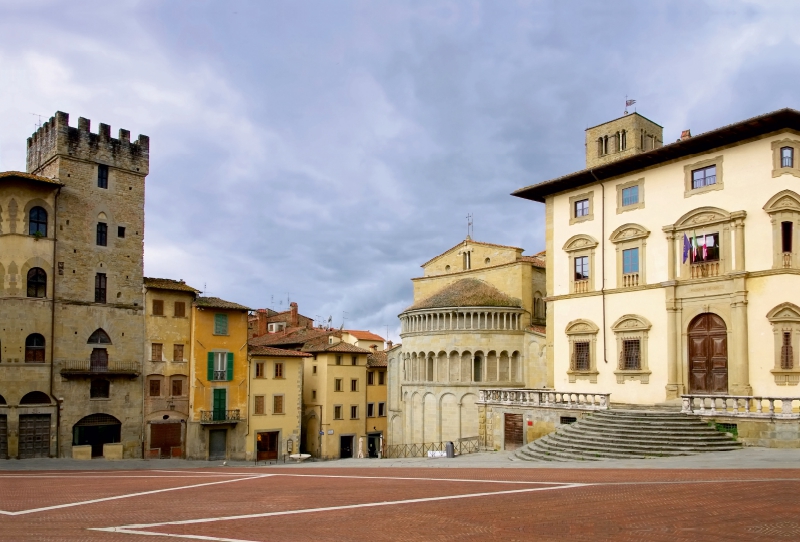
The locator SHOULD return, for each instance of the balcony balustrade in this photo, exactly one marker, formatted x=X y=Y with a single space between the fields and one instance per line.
x=219 y=416
x=705 y=269
x=87 y=367
x=581 y=286
x=545 y=398
x=630 y=279
x=742 y=406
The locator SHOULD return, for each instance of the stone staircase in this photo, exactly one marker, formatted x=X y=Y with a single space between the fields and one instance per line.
x=628 y=434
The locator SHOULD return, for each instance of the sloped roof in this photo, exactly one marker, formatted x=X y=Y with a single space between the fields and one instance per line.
x=169 y=284
x=217 y=303
x=377 y=359
x=536 y=261
x=281 y=352
x=471 y=242
x=467 y=293
x=29 y=177
x=323 y=346
x=296 y=335
x=364 y=335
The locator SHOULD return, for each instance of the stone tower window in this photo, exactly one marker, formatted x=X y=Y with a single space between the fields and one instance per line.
x=37 y=222
x=37 y=282
x=102 y=234
x=100 y=284
x=34 y=348
x=102 y=176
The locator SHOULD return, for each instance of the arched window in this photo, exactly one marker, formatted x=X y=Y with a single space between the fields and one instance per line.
x=34 y=348
x=35 y=398
x=623 y=140
x=99 y=337
x=37 y=282
x=37 y=222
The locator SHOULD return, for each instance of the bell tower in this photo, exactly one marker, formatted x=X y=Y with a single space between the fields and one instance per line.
x=620 y=138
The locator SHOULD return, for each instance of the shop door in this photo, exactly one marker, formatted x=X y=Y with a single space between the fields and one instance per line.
x=373 y=444
x=34 y=435
x=346 y=447
x=3 y=437
x=708 y=354
x=513 y=431
x=217 y=443
x=165 y=436
x=267 y=446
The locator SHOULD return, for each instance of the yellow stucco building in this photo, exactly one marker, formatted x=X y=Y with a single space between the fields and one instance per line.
x=218 y=402
x=276 y=402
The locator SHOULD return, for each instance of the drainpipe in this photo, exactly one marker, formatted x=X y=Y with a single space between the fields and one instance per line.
x=53 y=325
x=603 y=260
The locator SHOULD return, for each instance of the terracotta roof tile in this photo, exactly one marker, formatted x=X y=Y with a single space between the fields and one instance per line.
x=467 y=293
x=296 y=335
x=169 y=284
x=338 y=347
x=364 y=335
x=538 y=329
x=270 y=351
x=217 y=303
x=29 y=177
x=377 y=359
x=537 y=262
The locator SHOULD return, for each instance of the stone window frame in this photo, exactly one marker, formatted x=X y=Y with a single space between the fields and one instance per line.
x=786 y=318
x=688 y=191
x=622 y=186
x=784 y=207
x=777 y=170
x=626 y=237
x=577 y=219
x=705 y=221
x=259 y=405
x=632 y=326
x=583 y=331
x=575 y=247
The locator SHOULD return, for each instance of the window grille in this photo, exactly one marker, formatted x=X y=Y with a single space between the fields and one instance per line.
x=704 y=177
x=580 y=356
x=787 y=157
x=258 y=407
x=630 y=357
x=787 y=355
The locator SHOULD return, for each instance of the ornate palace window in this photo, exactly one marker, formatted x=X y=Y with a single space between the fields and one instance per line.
x=784 y=212
x=785 y=320
x=631 y=332
x=582 y=336
x=580 y=249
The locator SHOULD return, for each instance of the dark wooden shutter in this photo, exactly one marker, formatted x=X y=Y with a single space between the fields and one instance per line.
x=210 y=375
x=230 y=366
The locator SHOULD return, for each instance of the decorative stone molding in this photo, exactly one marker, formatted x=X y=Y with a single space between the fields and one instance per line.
x=582 y=331
x=777 y=169
x=785 y=320
x=687 y=177
x=784 y=207
x=576 y=219
x=622 y=186
x=632 y=327
x=579 y=246
x=627 y=237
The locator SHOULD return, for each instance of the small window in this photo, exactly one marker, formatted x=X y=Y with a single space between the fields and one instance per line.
x=177 y=352
x=279 y=370
x=219 y=365
x=220 y=324
x=158 y=307
x=787 y=356
x=177 y=387
x=381 y=378
x=156 y=352
x=630 y=261
x=630 y=195
x=277 y=404
x=338 y=360
x=99 y=336
x=155 y=387
x=581 y=355
x=337 y=412
x=100 y=288
x=354 y=360
x=787 y=157
x=37 y=222
x=314 y=369
x=102 y=176
x=581 y=208
x=353 y=384
x=705 y=248
x=37 y=282
x=337 y=384
x=180 y=309
x=631 y=355
x=786 y=238
x=313 y=394
x=258 y=407
x=354 y=412
x=582 y=268
x=260 y=370
x=34 y=348
x=566 y=420
x=99 y=389
x=371 y=378
x=704 y=177
x=102 y=234
x=370 y=410
x=121 y=232
x=381 y=410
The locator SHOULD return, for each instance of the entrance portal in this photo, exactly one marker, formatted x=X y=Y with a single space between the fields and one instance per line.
x=346 y=447
x=96 y=430
x=373 y=444
x=512 y=431
x=267 y=446
x=217 y=443
x=708 y=354
x=166 y=437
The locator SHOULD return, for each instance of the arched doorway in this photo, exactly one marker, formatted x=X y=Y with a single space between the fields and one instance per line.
x=95 y=430
x=708 y=354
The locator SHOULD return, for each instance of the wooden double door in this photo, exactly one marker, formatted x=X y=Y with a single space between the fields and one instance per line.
x=267 y=446
x=512 y=434
x=708 y=354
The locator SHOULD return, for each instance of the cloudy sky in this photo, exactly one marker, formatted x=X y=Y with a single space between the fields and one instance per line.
x=321 y=151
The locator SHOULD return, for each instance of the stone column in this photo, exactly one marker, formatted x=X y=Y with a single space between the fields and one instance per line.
x=738 y=354
x=738 y=228
x=671 y=255
x=674 y=387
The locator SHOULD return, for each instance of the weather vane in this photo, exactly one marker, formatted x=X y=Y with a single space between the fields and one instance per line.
x=469 y=226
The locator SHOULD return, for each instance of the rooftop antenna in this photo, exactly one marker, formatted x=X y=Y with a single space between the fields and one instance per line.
x=469 y=226
x=205 y=289
x=39 y=123
x=629 y=103
x=272 y=302
x=344 y=317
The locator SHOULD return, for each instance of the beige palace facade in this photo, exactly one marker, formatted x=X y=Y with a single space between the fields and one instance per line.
x=675 y=269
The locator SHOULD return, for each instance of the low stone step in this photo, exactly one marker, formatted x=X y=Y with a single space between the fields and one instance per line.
x=666 y=438
x=633 y=431
x=644 y=446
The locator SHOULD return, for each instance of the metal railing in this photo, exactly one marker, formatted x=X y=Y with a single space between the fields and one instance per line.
x=742 y=406
x=86 y=366
x=467 y=445
x=219 y=416
x=545 y=398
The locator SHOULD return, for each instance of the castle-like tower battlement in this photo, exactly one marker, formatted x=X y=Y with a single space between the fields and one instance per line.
x=56 y=137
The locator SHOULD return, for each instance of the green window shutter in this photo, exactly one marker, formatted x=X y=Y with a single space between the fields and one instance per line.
x=230 y=366
x=210 y=366
x=220 y=324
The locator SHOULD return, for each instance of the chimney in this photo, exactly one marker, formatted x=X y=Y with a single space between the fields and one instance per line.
x=686 y=134
x=388 y=345
x=294 y=322
x=262 y=322
x=374 y=348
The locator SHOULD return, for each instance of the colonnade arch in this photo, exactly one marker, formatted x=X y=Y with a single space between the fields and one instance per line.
x=461 y=319
x=466 y=366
